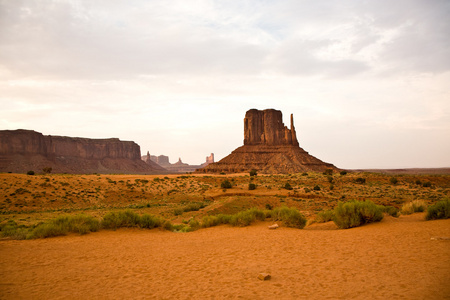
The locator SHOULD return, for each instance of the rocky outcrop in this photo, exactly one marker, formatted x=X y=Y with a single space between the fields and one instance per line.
x=179 y=166
x=24 y=150
x=269 y=147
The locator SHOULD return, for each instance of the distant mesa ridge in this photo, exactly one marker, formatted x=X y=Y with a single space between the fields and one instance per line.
x=269 y=147
x=179 y=166
x=23 y=150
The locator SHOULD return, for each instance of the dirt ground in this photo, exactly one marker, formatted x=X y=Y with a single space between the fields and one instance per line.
x=404 y=258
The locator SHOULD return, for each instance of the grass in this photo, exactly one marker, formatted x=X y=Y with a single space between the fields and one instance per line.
x=128 y=218
x=413 y=207
x=290 y=217
x=325 y=216
x=356 y=213
x=440 y=210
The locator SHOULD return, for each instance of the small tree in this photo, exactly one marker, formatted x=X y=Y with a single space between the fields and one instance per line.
x=30 y=173
x=253 y=172
x=226 y=184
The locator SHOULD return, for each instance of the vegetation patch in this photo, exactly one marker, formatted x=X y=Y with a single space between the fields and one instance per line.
x=356 y=213
x=440 y=210
x=413 y=207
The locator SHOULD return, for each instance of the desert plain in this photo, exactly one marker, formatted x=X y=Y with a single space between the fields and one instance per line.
x=401 y=257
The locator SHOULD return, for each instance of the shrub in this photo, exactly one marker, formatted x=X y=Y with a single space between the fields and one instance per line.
x=114 y=220
x=149 y=221
x=252 y=186
x=328 y=172
x=360 y=180
x=393 y=211
x=343 y=173
x=324 y=216
x=210 y=221
x=440 y=210
x=253 y=172
x=316 y=188
x=393 y=180
x=426 y=184
x=226 y=184
x=413 y=207
x=330 y=178
x=63 y=225
x=287 y=186
x=290 y=217
x=269 y=206
x=245 y=218
x=30 y=173
x=356 y=213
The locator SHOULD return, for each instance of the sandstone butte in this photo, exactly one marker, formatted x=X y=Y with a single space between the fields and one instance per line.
x=27 y=150
x=269 y=147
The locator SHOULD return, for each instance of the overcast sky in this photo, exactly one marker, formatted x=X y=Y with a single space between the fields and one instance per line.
x=368 y=82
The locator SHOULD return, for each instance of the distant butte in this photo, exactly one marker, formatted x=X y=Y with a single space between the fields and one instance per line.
x=25 y=150
x=269 y=147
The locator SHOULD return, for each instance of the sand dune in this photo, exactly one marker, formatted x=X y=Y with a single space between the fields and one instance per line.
x=393 y=259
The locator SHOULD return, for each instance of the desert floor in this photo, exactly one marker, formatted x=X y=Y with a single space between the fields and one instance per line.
x=398 y=258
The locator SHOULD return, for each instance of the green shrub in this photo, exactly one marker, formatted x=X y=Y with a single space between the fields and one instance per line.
x=287 y=186
x=343 y=172
x=290 y=217
x=226 y=184
x=440 y=210
x=426 y=184
x=149 y=221
x=393 y=211
x=413 y=207
x=356 y=213
x=324 y=216
x=30 y=173
x=360 y=180
x=245 y=218
x=316 y=188
x=328 y=172
x=253 y=172
x=81 y=224
x=210 y=221
x=393 y=180
x=252 y=186
x=114 y=220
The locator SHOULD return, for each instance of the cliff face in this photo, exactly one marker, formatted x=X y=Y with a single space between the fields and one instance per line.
x=23 y=150
x=269 y=147
x=265 y=127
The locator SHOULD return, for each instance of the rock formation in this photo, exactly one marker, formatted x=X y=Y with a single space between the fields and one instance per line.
x=269 y=147
x=24 y=150
x=178 y=167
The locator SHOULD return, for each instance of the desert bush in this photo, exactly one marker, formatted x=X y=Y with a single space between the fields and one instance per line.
x=245 y=218
x=287 y=186
x=226 y=184
x=47 y=170
x=290 y=217
x=252 y=186
x=81 y=224
x=114 y=220
x=440 y=210
x=343 y=173
x=328 y=172
x=30 y=173
x=149 y=221
x=393 y=211
x=316 y=188
x=426 y=184
x=12 y=230
x=413 y=207
x=210 y=221
x=253 y=172
x=360 y=180
x=324 y=216
x=356 y=213
x=393 y=180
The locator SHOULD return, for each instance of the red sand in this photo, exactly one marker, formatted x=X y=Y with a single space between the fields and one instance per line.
x=393 y=259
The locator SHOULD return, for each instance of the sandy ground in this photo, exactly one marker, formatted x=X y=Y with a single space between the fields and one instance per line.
x=393 y=259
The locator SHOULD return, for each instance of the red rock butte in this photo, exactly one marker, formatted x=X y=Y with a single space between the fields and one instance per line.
x=269 y=147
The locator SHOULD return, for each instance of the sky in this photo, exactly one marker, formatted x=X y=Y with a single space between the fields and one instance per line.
x=368 y=81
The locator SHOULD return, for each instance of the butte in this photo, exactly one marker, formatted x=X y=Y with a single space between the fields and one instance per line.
x=269 y=147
